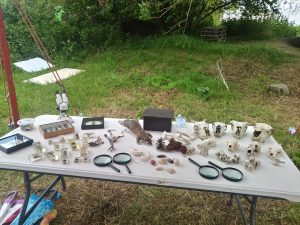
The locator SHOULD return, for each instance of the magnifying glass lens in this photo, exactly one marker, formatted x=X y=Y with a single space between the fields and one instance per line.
x=122 y=158
x=233 y=174
x=208 y=172
x=103 y=160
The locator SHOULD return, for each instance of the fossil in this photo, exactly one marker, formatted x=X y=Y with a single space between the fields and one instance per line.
x=135 y=127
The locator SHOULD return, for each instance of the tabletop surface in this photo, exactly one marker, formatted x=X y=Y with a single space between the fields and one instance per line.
x=270 y=181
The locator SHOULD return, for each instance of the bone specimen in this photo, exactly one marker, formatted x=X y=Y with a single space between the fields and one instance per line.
x=253 y=149
x=274 y=153
x=261 y=132
x=201 y=129
x=238 y=128
x=232 y=145
x=135 y=127
x=219 y=128
x=251 y=164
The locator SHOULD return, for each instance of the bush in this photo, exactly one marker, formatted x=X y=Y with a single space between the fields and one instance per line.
x=260 y=29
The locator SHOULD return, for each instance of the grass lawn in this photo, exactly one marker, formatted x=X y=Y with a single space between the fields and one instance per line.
x=180 y=73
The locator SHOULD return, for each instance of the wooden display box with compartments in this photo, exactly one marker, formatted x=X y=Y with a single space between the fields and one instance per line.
x=55 y=129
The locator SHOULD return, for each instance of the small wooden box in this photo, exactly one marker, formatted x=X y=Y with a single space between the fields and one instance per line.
x=158 y=119
x=50 y=130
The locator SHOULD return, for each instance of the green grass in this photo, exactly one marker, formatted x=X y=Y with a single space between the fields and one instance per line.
x=180 y=73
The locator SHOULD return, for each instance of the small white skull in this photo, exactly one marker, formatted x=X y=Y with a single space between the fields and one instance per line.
x=261 y=132
x=274 y=154
x=275 y=151
x=205 y=145
x=232 y=145
x=252 y=164
x=201 y=129
x=238 y=128
x=219 y=128
x=253 y=149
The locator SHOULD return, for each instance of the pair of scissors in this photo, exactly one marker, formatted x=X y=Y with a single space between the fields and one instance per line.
x=10 y=199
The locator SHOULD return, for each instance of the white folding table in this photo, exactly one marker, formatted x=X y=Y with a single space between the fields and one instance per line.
x=267 y=181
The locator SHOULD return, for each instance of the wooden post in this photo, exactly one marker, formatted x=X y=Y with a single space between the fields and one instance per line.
x=8 y=71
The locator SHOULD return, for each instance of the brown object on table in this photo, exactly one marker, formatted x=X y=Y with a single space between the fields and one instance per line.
x=55 y=129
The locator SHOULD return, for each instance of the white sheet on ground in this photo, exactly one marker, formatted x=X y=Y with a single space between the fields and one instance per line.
x=33 y=65
x=49 y=78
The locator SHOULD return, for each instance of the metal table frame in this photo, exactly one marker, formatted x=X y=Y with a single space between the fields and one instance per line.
x=252 y=199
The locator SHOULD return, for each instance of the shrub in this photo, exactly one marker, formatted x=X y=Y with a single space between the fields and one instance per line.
x=260 y=29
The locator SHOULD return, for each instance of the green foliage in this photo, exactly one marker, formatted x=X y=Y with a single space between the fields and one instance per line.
x=260 y=29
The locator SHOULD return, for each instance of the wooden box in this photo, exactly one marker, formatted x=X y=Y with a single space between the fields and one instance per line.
x=55 y=129
x=158 y=119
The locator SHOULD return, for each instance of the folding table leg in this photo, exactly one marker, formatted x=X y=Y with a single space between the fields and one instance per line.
x=229 y=203
x=252 y=201
x=252 y=210
x=23 y=214
x=242 y=211
x=28 y=192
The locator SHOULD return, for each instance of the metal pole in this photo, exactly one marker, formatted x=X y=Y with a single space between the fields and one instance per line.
x=8 y=71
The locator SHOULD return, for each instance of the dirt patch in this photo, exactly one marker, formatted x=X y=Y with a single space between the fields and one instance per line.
x=295 y=42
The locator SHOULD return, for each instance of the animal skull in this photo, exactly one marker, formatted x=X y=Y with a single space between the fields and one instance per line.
x=253 y=149
x=201 y=129
x=252 y=164
x=238 y=128
x=205 y=146
x=274 y=154
x=261 y=132
x=219 y=128
x=232 y=145
x=224 y=157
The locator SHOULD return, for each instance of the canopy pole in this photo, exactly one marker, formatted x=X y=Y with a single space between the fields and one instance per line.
x=8 y=71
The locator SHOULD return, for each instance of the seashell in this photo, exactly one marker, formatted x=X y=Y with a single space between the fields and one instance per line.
x=176 y=162
x=153 y=162
x=171 y=170
x=159 y=168
x=161 y=156
x=162 y=161
x=146 y=157
x=170 y=160
x=136 y=152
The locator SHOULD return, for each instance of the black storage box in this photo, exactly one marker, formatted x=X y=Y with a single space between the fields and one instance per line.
x=14 y=143
x=92 y=123
x=158 y=119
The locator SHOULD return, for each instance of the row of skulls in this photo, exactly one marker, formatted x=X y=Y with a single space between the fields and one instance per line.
x=260 y=133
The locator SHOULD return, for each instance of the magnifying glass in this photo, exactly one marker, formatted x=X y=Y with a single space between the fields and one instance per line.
x=104 y=160
x=229 y=173
x=122 y=159
x=208 y=172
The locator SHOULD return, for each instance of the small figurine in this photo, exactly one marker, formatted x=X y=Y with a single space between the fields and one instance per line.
x=201 y=129
x=219 y=128
x=261 y=132
x=232 y=145
x=253 y=149
x=238 y=128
